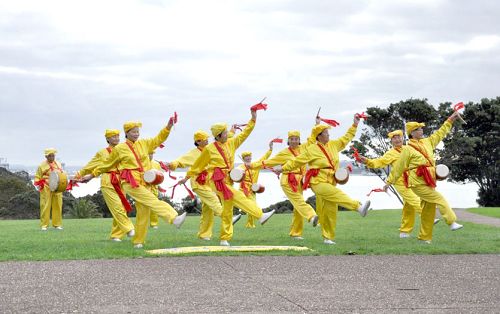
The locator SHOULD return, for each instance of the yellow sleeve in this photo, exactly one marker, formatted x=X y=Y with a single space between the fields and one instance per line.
x=108 y=164
x=438 y=136
x=184 y=161
x=240 y=138
x=91 y=165
x=278 y=159
x=399 y=167
x=388 y=158
x=200 y=164
x=39 y=173
x=258 y=164
x=297 y=162
x=341 y=142
x=153 y=142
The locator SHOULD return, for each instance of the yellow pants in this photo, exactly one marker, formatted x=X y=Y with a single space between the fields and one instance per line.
x=50 y=203
x=153 y=219
x=146 y=201
x=239 y=200
x=430 y=199
x=301 y=210
x=121 y=222
x=210 y=206
x=331 y=198
x=411 y=206
x=250 y=219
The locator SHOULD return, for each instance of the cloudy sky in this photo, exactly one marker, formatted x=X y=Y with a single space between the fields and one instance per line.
x=70 y=69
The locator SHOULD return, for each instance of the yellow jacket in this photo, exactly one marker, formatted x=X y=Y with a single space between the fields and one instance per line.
x=210 y=158
x=187 y=161
x=389 y=158
x=123 y=158
x=43 y=172
x=98 y=159
x=314 y=156
x=252 y=172
x=411 y=159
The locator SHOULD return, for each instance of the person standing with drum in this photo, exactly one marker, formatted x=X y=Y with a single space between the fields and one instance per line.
x=50 y=202
x=411 y=200
x=418 y=159
x=291 y=183
x=111 y=188
x=323 y=161
x=210 y=204
x=251 y=177
x=132 y=158
x=217 y=159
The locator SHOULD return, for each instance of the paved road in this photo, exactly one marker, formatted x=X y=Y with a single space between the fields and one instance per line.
x=464 y=215
x=308 y=284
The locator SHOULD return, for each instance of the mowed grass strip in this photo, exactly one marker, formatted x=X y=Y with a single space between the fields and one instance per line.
x=486 y=211
x=377 y=234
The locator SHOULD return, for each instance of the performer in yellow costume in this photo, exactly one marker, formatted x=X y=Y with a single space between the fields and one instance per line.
x=132 y=158
x=323 y=160
x=210 y=204
x=417 y=159
x=50 y=202
x=291 y=183
x=111 y=188
x=411 y=200
x=218 y=160
x=251 y=176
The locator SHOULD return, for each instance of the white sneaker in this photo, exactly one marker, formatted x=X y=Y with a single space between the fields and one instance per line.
x=236 y=218
x=328 y=241
x=43 y=229
x=425 y=241
x=154 y=227
x=403 y=235
x=454 y=226
x=59 y=228
x=297 y=238
x=363 y=209
x=206 y=239
x=314 y=221
x=436 y=220
x=224 y=243
x=179 y=220
x=265 y=217
x=116 y=239
x=131 y=233
x=138 y=246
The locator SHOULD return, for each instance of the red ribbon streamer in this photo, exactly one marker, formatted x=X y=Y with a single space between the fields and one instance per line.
x=375 y=190
x=330 y=122
x=167 y=169
x=356 y=154
x=259 y=106
x=277 y=140
x=40 y=183
x=191 y=195
x=161 y=146
x=458 y=106
x=349 y=167
x=162 y=190
x=71 y=185
x=362 y=115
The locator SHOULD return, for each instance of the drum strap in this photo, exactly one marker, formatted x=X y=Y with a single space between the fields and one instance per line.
x=51 y=165
x=327 y=156
x=221 y=152
x=423 y=153
x=141 y=168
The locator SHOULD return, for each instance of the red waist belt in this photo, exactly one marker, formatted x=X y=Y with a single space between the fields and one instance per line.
x=126 y=175
x=202 y=178
x=220 y=185
x=293 y=183
x=116 y=185
x=423 y=171
x=309 y=174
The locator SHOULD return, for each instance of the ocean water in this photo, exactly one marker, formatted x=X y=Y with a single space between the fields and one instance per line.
x=458 y=195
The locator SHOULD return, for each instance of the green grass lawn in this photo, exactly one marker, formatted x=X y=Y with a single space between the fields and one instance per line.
x=486 y=211
x=376 y=234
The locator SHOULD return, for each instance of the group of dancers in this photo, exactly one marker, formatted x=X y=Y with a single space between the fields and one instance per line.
x=311 y=164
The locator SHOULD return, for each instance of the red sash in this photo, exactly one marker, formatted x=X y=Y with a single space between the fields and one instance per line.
x=202 y=177
x=118 y=189
x=126 y=174
x=141 y=168
x=219 y=176
x=292 y=181
x=314 y=172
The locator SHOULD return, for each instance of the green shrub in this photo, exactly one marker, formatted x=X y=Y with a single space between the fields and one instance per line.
x=83 y=208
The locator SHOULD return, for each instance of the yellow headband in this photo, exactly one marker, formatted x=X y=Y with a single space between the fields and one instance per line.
x=245 y=154
x=393 y=133
x=111 y=132
x=410 y=126
x=200 y=135
x=49 y=151
x=218 y=128
x=130 y=125
x=293 y=133
x=317 y=129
